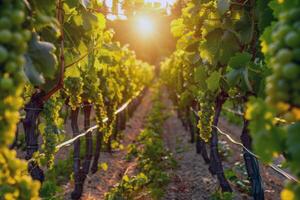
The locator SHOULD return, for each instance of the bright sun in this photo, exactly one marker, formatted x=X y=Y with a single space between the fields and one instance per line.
x=145 y=25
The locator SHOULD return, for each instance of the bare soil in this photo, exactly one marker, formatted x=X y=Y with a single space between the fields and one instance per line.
x=192 y=180
x=96 y=185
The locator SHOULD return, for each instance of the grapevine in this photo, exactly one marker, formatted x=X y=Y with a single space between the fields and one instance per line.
x=283 y=57
x=51 y=129
x=62 y=55
x=279 y=44
x=206 y=114
x=15 y=184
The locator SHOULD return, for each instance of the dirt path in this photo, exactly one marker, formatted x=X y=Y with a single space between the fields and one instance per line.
x=98 y=184
x=192 y=180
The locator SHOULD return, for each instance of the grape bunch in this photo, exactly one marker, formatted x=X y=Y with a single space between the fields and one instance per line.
x=14 y=180
x=74 y=89
x=50 y=133
x=283 y=86
x=206 y=115
x=13 y=43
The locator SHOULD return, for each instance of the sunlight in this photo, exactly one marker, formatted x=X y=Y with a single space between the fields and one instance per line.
x=145 y=25
x=163 y=3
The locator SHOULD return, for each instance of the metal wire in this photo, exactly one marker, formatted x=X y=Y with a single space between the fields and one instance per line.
x=272 y=166
x=91 y=129
x=239 y=113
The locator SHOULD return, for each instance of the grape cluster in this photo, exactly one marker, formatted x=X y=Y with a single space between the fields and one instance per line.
x=111 y=107
x=283 y=86
x=51 y=113
x=206 y=115
x=15 y=183
x=74 y=89
x=100 y=111
x=12 y=47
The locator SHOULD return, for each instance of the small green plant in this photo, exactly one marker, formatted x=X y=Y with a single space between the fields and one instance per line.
x=225 y=150
x=240 y=183
x=131 y=152
x=58 y=175
x=153 y=161
x=50 y=190
x=218 y=195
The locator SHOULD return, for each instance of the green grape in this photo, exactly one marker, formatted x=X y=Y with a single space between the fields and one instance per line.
x=292 y=39
x=284 y=53
x=50 y=133
x=74 y=89
x=14 y=179
x=6 y=84
x=17 y=17
x=5 y=36
x=206 y=115
x=3 y=54
x=284 y=56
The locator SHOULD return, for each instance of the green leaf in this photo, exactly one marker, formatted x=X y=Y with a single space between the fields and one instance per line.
x=240 y=60
x=41 y=56
x=200 y=77
x=33 y=76
x=177 y=27
x=213 y=82
x=229 y=47
x=233 y=77
x=246 y=79
x=244 y=28
x=72 y=72
x=125 y=178
x=103 y=166
x=223 y=6
x=219 y=46
x=209 y=50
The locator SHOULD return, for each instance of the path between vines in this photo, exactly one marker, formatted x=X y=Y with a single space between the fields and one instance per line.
x=191 y=180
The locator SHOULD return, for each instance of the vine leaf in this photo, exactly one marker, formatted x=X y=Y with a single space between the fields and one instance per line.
x=244 y=29
x=219 y=46
x=240 y=60
x=239 y=69
x=210 y=48
x=177 y=27
x=233 y=77
x=41 y=61
x=200 y=77
x=72 y=72
x=32 y=74
x=213 y=81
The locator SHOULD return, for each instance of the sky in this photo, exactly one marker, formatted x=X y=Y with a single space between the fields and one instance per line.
x=165 y=4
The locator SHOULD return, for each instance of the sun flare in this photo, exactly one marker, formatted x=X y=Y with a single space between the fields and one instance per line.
x=145 y=25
